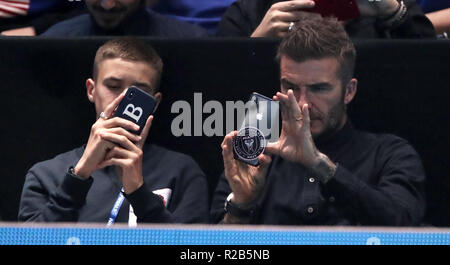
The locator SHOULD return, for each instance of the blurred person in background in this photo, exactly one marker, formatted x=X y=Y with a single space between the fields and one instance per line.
x=33 y=17
x=123 y=17
x=377 y=19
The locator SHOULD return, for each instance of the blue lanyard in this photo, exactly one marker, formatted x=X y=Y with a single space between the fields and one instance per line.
x=116 y=208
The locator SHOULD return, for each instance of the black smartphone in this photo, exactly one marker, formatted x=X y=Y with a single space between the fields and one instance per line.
x=136 y=106
x=259 y=125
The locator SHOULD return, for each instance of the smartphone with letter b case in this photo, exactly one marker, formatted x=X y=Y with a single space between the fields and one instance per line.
x=136 y=106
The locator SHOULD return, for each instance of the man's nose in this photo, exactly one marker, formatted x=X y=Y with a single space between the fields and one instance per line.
x=108 y=4
x=303 y=97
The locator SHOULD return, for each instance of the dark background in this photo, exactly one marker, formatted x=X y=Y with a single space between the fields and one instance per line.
x=403 y=89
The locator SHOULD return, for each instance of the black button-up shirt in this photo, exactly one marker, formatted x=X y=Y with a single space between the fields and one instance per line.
x=379 y=181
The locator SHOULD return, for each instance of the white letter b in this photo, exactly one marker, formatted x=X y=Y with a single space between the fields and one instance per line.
x=133 y=111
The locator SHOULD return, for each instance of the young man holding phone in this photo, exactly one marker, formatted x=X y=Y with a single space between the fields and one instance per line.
x=321 y=171
x=116 y=176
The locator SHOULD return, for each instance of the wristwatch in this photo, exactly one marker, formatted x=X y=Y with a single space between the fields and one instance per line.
x=237 y=211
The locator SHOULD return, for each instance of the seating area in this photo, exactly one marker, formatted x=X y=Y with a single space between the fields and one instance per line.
x=403 y=89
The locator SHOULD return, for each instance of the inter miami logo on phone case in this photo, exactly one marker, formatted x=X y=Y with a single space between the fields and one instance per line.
x=249 y=144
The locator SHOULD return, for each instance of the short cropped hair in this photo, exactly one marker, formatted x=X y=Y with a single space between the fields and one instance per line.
x=315 y=37
x=129 y=49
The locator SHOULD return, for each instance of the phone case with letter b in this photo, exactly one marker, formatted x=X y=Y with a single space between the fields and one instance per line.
x=136 y=106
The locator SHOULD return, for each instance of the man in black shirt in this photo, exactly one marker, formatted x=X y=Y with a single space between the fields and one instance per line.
x=120 y=18
x=321 y=171
x=116 y=176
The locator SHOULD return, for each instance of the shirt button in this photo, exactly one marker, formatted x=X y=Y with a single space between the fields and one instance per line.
x=312 y=180
x=310 y=210
x=331 y=199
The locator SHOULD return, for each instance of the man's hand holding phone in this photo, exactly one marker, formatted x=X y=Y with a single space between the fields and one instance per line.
x=97 y=147
x=246 y=181
x=112 y=142
x=127 y=156
x=295 y=143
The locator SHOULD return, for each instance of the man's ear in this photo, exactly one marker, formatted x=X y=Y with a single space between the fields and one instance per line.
x=350 y=90
x=158 y=97
x=90 y=89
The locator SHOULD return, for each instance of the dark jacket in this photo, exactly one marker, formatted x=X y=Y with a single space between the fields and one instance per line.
x=174 y=191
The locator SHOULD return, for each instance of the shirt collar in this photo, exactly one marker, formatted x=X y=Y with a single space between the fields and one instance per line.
x=337 y=140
